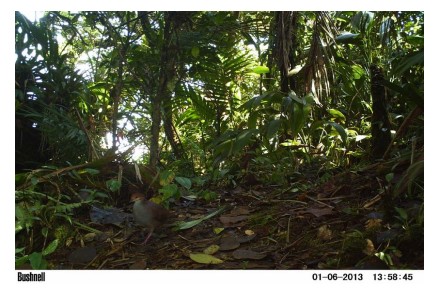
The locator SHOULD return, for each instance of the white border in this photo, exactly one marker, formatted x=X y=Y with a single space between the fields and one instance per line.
x=206 y=280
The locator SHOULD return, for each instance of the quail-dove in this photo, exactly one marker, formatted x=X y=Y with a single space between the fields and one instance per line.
x=148 y=214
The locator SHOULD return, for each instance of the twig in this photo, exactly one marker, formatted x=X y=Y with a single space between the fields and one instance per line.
x=318 y=202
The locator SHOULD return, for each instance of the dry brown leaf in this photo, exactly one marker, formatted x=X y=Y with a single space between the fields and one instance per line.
x=249 y=232
x=240 y=254
x=370 y=248
x=373 y=224
x=324 y=233
x=229 y=243
x=318 y=212
x=227 y=220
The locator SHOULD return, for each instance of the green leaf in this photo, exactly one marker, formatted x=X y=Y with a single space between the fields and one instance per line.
x=190 y=224
x=416 y=40
x=252 y=119
x=21 y=261
x=261 y=69
x=243 y=139
x=44 y=231
x=218 y=230
x=298 y=119
x=341 y=131
x=204 y=258
x=294 y=96
x=208 y=195
x=166 y=177
x=389 y=176
x=357 y=72
x=20 y=178
x=183 y=181
x=348 y=38
x=272 y=128
x=195 y=51
x=91 y=171
x=50 y=248
x=34 y=181
x=37 y=261
x=169 y=191
x=337 y=114
x=113 y=184
x=402 y=213
x=363 y=21
x=410 y=60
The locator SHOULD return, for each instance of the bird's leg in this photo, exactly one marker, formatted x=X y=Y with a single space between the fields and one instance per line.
x=148 y=236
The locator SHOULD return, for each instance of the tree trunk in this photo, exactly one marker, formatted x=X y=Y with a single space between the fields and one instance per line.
x=286 y=22
x=380 y=118
x=167 y=80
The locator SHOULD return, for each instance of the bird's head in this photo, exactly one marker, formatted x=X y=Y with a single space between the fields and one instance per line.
x=137 y=197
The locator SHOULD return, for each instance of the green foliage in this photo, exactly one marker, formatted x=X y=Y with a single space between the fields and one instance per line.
x=184 y=181
x=35 y=213
x=113 y=185
x=36 y=259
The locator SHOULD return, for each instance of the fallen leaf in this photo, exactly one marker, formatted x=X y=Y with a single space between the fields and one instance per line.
x=227 y=220
x=240 y=254
x=324 y=233
x=370 y=248
x=229 y=243
x=245 y=238
x=211 y=249
x=138 y=265
x=318 y=212
x=249 y=232
x=373 y=224
x=386 y=235
x=89 y=236
x=218 y=230
x=204 y=258
x=240 y=211
x=82 y=255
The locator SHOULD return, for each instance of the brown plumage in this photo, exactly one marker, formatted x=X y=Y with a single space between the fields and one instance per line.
x=148 y=214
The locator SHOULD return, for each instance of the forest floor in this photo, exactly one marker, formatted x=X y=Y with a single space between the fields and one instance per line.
x=346 y=222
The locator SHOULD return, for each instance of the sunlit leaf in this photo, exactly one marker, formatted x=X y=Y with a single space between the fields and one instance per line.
x=357 y=72
x=347 y=38
x=361 y=137
x=261 y=70
x=337 y=114
x=295 y=70
x=204 y=258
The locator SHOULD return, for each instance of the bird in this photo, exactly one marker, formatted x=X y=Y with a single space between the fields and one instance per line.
x=148 y=214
